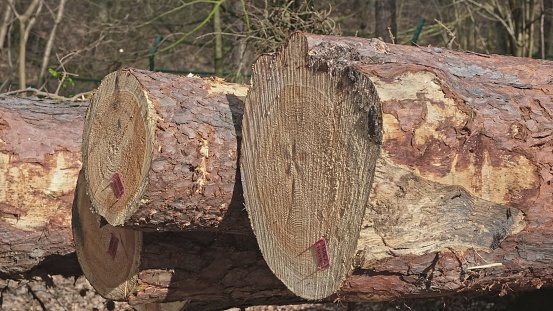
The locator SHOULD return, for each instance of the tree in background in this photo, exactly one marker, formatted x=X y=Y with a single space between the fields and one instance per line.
x=256 y=27
x=385 y=20
x=94 y=37
x=57 y=17
x=518 y=20
x=26 y=21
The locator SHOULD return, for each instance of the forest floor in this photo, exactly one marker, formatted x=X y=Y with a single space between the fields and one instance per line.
x=73 y=294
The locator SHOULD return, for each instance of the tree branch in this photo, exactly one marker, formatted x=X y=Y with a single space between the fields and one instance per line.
x=50 y=43
x=78 y=97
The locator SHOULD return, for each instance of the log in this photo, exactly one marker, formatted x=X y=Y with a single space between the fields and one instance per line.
x=459 y=166
x=109 y=256
x=464 y=169
x=311 y=140
x=208 y=269
x=39 y=161
x=41 y=139
x=159 y=150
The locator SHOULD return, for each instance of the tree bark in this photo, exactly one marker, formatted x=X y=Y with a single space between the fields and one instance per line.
x=169 y=143
x=39 y=161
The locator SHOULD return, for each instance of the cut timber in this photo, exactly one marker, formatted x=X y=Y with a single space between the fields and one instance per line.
x=40 y=159
x=310 y=144
x=109 y=256
x=160 y=151
x=460 y=166
x=420 y=238
x=462 y=188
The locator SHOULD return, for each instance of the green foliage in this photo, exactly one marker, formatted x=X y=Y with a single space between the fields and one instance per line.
x=62 y=77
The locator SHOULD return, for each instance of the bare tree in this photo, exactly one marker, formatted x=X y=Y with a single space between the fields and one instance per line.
x=518 y=18
x=385 y=20
x=50 y=42
x=6 y=21
x=547 y=25
x=26 y=22
x=218 y=46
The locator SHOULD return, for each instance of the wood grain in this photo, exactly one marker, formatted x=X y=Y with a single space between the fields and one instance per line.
x=311 y=140
x=109 y=256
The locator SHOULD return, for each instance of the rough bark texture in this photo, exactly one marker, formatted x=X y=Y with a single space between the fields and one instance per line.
x=311 y=140
x=39 y=162
x=171 y=140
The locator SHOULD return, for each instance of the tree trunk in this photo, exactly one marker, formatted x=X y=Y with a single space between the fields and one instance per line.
x=6 y=21
x=215 y=270
x=218 y=46
x=385 y=20
x=108 y=255
x=462 y=181
x=50 y=45
x=160 y=151
x=39 y=162
x=548 y=27
x=26 y=22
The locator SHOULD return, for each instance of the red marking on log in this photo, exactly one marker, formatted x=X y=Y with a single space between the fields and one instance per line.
x=113 y=244
x=322 y=253
x=117 y=185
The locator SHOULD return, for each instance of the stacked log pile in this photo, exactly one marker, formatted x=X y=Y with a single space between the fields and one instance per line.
x=370 y=172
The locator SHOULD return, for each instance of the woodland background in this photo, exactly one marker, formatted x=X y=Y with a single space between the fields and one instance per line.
x=45 y=41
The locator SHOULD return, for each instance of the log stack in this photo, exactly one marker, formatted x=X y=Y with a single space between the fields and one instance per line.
x=458 y=203
x=159 y=154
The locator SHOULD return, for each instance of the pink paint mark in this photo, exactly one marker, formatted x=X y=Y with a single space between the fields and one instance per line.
x=322 y=254
x=113 y=244
x=117 y=185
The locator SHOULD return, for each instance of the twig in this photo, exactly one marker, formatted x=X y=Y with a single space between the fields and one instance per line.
x=449 y=32
x=78 y=97
x=391 y=35
x=491 y=265
x=32 y=292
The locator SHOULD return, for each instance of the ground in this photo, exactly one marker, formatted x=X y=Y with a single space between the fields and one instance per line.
x=55 y=293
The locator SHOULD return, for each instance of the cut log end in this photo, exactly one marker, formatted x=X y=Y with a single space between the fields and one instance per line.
x=109 y=256
x=117 y=146
x=311 y=136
